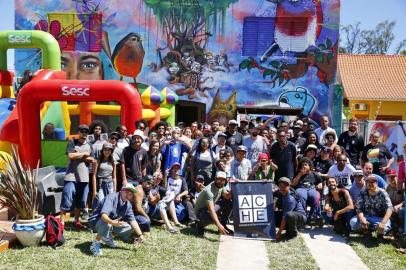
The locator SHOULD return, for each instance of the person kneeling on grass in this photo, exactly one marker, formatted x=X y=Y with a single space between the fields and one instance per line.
x=114 y=215
x=209 y=209
x=374 y=209
x=290 y=214
x=338 y=207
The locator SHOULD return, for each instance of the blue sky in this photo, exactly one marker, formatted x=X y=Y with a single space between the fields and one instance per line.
x=368 y=12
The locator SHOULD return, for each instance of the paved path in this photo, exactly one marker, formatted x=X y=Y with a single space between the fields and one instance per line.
x=244 y=254
x=331 y=250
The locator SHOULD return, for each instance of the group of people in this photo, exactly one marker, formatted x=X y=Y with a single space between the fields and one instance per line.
x=181 y=175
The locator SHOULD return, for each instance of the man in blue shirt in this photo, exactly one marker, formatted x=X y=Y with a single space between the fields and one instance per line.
x=114 y=215
x=173 y=151
x=291 y=215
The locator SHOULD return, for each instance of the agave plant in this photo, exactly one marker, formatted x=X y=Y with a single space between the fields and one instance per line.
x=17 y=187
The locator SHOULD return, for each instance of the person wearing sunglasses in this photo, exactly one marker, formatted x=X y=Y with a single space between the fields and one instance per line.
x=342 y=171
x=76 y=181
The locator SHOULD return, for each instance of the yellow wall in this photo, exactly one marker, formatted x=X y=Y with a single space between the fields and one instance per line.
x=387 y=108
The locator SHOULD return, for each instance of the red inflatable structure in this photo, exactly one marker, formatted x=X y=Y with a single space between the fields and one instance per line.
x=46 y=88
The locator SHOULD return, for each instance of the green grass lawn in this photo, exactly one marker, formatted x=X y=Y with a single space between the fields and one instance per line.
x=292 y=254
x=377 y=254
x=161 y=250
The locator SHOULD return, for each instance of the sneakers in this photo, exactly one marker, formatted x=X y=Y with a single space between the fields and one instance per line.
x=95 y=248
x=77 y=225
x=109 y=241
x=85 y=215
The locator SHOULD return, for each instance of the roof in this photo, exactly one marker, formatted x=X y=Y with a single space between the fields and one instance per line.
x=373 y=77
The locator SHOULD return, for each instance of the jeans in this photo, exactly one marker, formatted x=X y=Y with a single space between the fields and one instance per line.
x=145 y=223
x=373 y=223
x=310 y=197
x=222 y=208
x=105 y=188
x=294 y=221
x=104 y=230
x=74 y=194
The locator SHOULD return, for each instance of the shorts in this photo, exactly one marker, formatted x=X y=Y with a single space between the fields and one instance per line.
x=74 y=195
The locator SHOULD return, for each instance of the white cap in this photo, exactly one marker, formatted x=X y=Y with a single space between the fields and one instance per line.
x=139 y=133
x=221 y=174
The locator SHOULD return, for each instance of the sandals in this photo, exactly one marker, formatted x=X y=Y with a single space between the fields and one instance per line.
x=180 y=225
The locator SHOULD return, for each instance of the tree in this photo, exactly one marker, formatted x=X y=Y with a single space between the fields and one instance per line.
x=376 y=41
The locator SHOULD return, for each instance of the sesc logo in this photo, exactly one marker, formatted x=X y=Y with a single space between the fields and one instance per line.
x=19 y=38
x=75 y=90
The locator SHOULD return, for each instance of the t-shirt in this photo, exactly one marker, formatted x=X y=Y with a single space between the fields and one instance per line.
x=373 y=205
x=395 y=195
x=135 y=161
x=209 y=194
x=234 y=140
x=353 y=145
x=118 y=152
x=105 y=171
x=254 y=148
x=378 y=155
x=343 y=177
x=173 y=153
x=322 y=166
x=355 y=191
x=114 y=207
x=240 y=170
x=77 y=169
x=284 y=159
x=177 y=186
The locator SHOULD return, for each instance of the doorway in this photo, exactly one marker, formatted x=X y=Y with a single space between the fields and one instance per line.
x=190 y=111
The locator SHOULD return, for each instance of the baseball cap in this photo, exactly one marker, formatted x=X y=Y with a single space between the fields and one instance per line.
x=242 y=148
x=221 y=174
x=200 y=177
x=115 y=134
x=244 y=118
x=311 y=147
x=296 y=125
x=129 y=187
x=148 y=178
x=284 y=179
x=221 y=134
x=139 y=133
x=108 y=146
x=83 y=126
x=358 y=173
x=299 y=122
x=390 y=172
x=262 y=156
x=233 y=122
x=175 y=164
x=325 y=149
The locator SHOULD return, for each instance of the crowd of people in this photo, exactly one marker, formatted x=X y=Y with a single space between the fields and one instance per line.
x=180 y=176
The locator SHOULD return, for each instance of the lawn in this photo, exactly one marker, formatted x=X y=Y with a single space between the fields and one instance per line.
x=292 y=254
x=377 y=254
x=161 y=250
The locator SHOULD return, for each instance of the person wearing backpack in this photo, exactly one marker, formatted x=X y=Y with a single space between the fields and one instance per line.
x=114 y=214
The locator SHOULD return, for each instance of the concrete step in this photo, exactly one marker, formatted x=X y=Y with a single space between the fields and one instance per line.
x=7 y=235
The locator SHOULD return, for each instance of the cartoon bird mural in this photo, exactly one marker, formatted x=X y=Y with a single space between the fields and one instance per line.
x=299 y=98
x=298 y=24
x=128 y=56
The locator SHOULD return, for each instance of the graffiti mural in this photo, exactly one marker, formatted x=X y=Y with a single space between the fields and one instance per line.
x=256 y=51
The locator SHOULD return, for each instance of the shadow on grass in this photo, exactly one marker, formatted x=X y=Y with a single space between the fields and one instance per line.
x=84 y=247
x=367 y=241
x=192 y=232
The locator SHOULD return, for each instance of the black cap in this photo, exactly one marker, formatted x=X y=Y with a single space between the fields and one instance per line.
x=115 y=134
x=326 y=149
x=83 y=126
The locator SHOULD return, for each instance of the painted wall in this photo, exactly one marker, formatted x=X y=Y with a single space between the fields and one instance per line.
x=267 y=51
x=374 y=108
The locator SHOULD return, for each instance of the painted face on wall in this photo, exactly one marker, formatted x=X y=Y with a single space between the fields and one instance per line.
x=195 y=67
x=82 y=65
x=173 y=69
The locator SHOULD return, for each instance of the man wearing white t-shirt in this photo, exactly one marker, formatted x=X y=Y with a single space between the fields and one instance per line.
x=324 y=128
x=342 y=171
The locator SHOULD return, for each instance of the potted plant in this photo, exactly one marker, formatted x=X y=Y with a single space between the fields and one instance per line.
x=18 y=192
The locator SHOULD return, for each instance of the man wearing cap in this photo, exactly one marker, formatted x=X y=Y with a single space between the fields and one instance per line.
x=234 y=138
x=210 y=209
x=323 y=162
x=283 y=153
x=134 y=160
x=255 y=145
x=114 y=215
x=374 y=209
x=395 y=193
x=358 y=185
x=342 y=171
x=174 y=151
x=289 y=213
x=243 y=122
x=352 y=142
x=241 y=167
x=221 y=144
x=76 y=184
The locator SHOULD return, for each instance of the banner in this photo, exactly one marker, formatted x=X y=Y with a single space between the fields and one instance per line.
x=253 y=209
